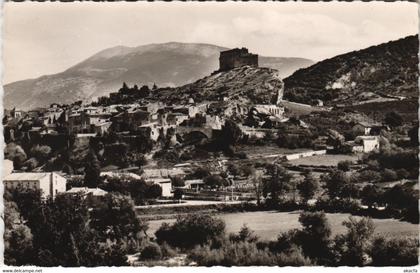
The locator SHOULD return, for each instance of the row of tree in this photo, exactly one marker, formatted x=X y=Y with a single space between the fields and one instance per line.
x=205 y=240
x=65 y=232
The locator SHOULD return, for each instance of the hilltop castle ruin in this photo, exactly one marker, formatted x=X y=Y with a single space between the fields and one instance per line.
x=236 y=57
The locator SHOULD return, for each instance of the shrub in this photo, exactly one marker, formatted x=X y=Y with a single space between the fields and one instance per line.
x=344 y=165
x=30 y=164
x=394 y=252
x=215 y=181
x=244 y=235
x=191 y=230
x=246 y=254
x=354 y=245
x=369 y=176
x=177 y=181
x=402 y=173
x=151 y=252
x=389 y=175
x=41 y=152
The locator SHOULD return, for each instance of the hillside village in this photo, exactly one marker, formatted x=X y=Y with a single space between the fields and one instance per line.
x=227 y=142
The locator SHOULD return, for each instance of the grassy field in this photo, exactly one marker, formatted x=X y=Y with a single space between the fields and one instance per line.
x=323 y=160
x=268 y=224
x=255 y=150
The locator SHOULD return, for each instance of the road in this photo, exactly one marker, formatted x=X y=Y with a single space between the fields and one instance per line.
x=186 y=203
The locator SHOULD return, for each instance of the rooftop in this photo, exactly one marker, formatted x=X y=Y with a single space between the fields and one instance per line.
x=85 y=190
x=25 y=176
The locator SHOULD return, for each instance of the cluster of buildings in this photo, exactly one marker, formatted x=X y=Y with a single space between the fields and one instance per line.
x=154 y=119
x=53 y=183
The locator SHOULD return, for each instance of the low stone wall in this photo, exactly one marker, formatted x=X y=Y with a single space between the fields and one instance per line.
x=304 y=154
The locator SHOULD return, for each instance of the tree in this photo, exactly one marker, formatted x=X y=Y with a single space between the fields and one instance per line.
x=16 y=154
x=233 y=169
x=116 y=219
x=244 y=235
x=339 y=185
x=258 y=185
x=154 y=191
x=124 y=89
x=371 y=196
x=30 y=164
x=344 y=165
x=277 y=184
x=389 y=175
x=315 y=236
x=92 y=171
x=18 y=248
x=247 y=170
x=177 y=181
x=199 y=173
x=151 y=252
x=41 y=152
x=394 y=252
x=191 y=230
x=355 y=244
x=231 y=133
x=215 y=181
x=393 y=119
x=308 y=187
x=178 y=193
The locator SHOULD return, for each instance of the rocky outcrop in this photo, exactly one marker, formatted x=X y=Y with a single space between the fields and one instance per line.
x=242 y=85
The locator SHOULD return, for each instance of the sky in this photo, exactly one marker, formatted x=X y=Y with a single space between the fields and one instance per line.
x=47 y=38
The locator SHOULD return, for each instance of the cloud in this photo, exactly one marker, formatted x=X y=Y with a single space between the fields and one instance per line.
x=311 y=35
x=52 y=36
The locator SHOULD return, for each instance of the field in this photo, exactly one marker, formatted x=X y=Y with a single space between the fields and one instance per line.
x=268 y=224
x=270 y=149
x=323 y=160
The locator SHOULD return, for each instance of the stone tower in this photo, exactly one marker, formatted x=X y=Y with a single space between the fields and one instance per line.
x=236 y=57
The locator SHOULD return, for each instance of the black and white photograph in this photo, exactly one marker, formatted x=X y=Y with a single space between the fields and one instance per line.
x=201 y=134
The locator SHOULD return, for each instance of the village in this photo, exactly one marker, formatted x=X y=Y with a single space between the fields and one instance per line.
x=228 y=157
x=184 y=124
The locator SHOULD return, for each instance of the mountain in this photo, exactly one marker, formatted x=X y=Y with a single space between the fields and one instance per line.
x=169 y=64
x=384 y=70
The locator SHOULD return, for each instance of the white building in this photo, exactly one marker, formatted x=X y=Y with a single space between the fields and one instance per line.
x=7 y=168
x=369 y=143
x=49 y=183
x=164 y=183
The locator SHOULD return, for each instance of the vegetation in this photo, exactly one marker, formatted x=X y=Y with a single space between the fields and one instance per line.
x=189 y=231
x=62 y=231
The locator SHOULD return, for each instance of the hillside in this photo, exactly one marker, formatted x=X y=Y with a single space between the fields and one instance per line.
x=169 y=64
x=368 y=74
x=245 y=85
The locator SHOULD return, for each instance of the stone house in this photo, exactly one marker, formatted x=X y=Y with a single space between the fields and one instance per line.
x=49 y=183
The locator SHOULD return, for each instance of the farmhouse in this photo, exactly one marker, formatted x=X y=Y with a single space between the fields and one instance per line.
x=49 y=183
x=369 y=143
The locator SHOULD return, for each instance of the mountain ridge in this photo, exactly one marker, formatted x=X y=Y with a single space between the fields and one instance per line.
x=387 y=69
x=168 y=64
